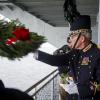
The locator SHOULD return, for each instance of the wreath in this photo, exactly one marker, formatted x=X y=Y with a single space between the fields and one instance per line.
x=16 y=40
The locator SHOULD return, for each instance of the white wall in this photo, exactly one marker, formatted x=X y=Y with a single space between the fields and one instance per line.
x=95 y=34
x=36 y=25
x=99 y=24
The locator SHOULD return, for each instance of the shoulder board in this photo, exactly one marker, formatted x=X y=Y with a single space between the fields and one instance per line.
x=98 y=46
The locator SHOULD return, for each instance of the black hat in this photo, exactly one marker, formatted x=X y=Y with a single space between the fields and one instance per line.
x=81 y=22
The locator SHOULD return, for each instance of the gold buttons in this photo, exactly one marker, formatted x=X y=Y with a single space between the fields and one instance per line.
x=81 y=56
x=68 y=67
x=69 y=62
x=77 y=77
x=74 y=55
x=89 y=67
x=79 y=67
x=91 y=77
x=91 y=56
x=79 y=62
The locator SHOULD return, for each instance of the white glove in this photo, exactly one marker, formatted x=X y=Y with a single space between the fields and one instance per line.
x=35 y=55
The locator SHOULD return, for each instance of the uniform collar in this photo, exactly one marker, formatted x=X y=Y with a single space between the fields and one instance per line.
x=87 y=47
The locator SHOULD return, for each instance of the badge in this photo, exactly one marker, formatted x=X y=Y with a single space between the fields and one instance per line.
x=85 y=61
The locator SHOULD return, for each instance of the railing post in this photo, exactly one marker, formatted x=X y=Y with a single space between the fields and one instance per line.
x=36 y=94
x=53 y=87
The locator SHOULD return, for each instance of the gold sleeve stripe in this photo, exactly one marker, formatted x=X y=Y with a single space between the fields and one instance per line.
x=98 y=46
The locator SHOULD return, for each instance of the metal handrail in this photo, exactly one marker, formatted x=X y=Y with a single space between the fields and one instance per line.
x=44 y=85
x=36 y=84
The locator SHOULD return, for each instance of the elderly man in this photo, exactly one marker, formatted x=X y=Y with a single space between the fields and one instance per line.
x=83 y=60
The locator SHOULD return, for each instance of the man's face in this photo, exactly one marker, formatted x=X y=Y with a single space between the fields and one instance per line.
x=72 y=40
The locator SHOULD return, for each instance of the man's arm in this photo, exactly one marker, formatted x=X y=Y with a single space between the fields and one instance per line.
x=54 y=60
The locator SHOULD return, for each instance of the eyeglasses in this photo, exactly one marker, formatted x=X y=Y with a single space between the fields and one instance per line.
x=72 y=35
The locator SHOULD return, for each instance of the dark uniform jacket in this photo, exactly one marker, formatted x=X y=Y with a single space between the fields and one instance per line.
x=85 y=67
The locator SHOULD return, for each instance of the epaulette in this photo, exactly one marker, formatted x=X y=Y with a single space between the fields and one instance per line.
x=98 y=46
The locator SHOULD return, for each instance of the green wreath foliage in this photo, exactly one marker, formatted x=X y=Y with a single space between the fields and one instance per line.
x=16 y=41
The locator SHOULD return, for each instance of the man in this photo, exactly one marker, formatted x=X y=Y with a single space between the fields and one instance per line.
x=83 y=59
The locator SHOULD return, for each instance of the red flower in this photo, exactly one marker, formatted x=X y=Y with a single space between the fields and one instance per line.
x=11 y=41
x=21 y=34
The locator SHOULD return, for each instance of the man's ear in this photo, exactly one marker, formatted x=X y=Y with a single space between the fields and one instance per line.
x=82 y=38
